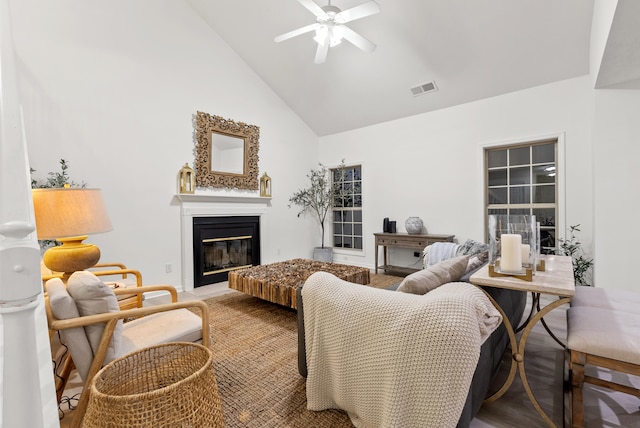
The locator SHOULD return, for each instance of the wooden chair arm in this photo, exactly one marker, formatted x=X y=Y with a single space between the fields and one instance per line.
x=148 y=288
x=58 y=324
x=46 y=278
x=123 y=272
x=101 y=265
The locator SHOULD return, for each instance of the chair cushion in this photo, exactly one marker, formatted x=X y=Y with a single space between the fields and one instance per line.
x=180 y=325
x=425 y=280
x=75 y=339
x=92 y=296
x=604 y=332
x=620 y=300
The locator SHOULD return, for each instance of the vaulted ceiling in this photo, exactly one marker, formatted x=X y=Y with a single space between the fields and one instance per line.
x=471 y=49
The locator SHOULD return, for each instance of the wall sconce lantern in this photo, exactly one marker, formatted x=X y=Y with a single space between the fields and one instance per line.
x=186 y=180
x=265 y=186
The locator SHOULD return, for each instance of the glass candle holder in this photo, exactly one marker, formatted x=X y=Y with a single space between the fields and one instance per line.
x=512 y=243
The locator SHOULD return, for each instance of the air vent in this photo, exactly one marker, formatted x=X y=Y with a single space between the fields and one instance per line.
x=424 y=88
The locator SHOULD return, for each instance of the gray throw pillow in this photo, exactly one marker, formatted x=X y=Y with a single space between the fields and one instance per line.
x=428 y=279
x=64 y=307
x=93 y=296
x=471 y=248
x=477 y=260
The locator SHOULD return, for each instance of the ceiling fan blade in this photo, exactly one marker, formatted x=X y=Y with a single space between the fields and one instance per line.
x=359 y=41
x=321 y=53
x=313 y=7
x=295 y=33
x=357 y=12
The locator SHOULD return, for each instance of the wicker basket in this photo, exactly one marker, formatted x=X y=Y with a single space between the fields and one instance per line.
x=170 y=385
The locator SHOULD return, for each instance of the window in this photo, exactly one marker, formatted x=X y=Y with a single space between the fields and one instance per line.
x=347 y=207
x=522 y=180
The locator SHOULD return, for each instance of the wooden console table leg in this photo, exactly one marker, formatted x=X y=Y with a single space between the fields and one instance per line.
x=376 y=259
x=384 y=251
x=515 y=357
x=517 y=349
x=521 y=349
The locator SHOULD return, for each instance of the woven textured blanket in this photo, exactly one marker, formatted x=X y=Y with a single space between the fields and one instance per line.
x=393 y=359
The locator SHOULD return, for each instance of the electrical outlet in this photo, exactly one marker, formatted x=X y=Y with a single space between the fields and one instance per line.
x=168 y=268
x=416 y=254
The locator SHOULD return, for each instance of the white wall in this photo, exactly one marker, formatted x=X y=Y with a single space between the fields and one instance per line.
x=113 y=87
x=430 y=165
x=603 y=13
x=616 y=195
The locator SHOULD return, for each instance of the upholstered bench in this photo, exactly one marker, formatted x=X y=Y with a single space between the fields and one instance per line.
x=603 y=330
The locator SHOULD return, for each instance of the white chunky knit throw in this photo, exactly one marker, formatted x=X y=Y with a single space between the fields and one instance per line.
x=393 y=359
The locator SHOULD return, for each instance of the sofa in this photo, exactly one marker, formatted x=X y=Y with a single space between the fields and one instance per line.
x=491 y=352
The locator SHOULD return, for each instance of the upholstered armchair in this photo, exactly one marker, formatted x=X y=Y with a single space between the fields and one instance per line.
x=86 y=313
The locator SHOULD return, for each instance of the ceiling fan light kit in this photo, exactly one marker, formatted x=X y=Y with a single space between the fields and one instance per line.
x=330 y=29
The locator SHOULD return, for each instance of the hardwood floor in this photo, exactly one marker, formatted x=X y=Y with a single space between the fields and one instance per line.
x=545 y=366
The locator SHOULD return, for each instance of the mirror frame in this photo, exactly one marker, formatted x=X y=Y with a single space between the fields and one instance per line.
x=206 y=126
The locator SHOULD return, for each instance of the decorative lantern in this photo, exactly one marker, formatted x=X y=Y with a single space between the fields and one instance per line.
x=186 y=180
x=512 y=246
x=265 y=185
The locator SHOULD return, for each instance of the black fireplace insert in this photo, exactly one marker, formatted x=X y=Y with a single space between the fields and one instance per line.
x=223 y=244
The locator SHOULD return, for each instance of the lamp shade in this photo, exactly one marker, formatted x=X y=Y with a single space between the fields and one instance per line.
x=62 y=213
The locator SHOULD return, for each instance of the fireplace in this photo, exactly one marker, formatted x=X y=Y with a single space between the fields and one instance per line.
x=223 y=244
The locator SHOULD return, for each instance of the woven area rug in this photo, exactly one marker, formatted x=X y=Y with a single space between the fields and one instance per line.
x=255 y=346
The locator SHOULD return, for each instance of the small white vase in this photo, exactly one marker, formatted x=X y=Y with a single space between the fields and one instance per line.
x=413 y=225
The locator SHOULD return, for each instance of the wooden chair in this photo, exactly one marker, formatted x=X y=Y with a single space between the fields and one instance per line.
x=115 y=269
x=126 y=276
x=603 y=330
x=152 y=325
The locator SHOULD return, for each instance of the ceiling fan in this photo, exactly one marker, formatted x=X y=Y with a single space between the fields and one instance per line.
x=330 y=29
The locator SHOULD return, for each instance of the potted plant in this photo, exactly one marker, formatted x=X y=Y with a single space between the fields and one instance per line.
x=318 y=199
x=56 y=179
x=572 y=247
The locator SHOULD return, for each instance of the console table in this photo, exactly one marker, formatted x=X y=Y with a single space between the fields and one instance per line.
x=404 y=240
x=556 y=280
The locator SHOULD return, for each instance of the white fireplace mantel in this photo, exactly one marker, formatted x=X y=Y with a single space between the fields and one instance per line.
x=207 y=205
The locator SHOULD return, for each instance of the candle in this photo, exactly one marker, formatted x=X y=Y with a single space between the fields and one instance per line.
x=525 y=248
x=511 y=257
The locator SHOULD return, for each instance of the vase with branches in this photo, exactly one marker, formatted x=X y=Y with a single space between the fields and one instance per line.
x=56 y=179
x=573 y=247
x=325 y=187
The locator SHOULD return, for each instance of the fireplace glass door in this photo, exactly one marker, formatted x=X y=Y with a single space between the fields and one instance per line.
x=223 y=244
x=225 y=254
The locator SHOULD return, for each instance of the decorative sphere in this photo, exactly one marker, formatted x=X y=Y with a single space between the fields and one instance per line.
x=413 y=225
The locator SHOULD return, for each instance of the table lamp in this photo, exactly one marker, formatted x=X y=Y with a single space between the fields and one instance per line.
x=69 y=216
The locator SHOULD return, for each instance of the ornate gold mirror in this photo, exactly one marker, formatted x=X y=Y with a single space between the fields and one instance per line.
x=226 y=153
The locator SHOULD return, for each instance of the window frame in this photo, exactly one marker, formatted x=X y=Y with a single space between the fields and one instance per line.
x=343 y=250
x=560 y=203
